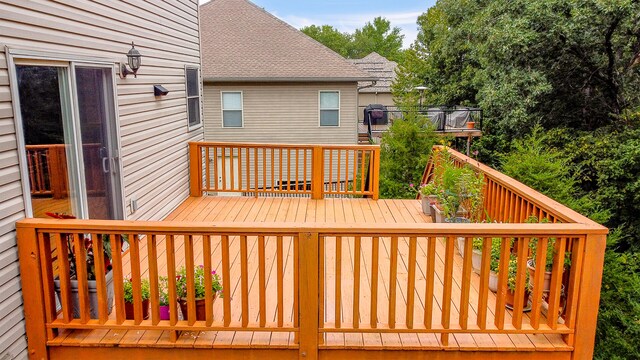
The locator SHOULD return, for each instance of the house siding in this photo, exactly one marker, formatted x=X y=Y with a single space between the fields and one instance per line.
x=365 y=99
x=154 y=131
x=282 y=113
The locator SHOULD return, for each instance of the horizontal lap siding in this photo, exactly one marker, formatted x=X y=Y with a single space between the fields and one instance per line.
x=154 y=132
x=281 y=113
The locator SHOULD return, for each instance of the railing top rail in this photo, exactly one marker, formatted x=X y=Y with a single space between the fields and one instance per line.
x=549 y=205
x=292 y=146
x=379 y=229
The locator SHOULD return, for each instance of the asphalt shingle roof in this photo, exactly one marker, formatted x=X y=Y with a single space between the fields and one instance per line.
x=243 y=42
x=379 y=67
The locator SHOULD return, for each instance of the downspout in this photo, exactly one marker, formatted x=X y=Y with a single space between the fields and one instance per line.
x=373 y=83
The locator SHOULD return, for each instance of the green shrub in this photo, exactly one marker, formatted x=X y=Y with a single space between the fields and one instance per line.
x=128 y=290
x=404 y=152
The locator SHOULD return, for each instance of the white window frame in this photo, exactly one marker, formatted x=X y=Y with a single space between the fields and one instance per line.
x=187 y=97
x=320 y=108
x=241 y=108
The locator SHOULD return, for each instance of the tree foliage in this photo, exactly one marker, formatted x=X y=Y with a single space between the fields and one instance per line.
x=559 y=85
x=404 y=152
x=375 y=36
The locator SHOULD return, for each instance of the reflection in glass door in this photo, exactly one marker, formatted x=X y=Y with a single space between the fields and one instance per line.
x=72 y=156
x=94 y=89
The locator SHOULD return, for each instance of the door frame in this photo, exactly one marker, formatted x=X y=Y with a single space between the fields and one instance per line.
x=44 y=58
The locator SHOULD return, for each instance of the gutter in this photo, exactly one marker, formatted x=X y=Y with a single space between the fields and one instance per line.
x=373 y=83
x=287 y=79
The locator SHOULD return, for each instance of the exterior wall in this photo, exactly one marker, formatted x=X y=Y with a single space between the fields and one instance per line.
x=154 y=132
x=281 y=113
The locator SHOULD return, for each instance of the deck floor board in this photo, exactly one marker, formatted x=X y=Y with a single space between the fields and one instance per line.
x=299 y=210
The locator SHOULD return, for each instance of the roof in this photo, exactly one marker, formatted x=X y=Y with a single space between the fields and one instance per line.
x=380 y=67
x=243 y=42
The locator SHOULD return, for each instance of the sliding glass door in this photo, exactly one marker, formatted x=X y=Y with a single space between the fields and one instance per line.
x=70 y=134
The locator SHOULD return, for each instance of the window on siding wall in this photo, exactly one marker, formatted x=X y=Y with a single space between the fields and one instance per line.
x=329 y=108
x=232 y=109
x=193 y=97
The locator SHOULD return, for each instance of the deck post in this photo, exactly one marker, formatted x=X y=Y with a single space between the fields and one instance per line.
x=195 y=169
x=32 y=291
x=589 y=297
x=376 y=173
x=308 y=295
x=57 y=175
x=317 y=173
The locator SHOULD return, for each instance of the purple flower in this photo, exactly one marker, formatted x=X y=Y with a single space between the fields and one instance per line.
x=201 y=266
x=213 y=272
x=475 y=153
x=411 y=185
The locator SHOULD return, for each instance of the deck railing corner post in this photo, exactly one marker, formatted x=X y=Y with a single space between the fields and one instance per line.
x=308 y=291
x=32 y=291
x=317 y=173
x=195 y=169
x=376 y=173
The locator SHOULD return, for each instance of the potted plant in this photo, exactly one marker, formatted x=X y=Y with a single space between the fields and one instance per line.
x=129 y=300
x=511 y=284
x=198 y=278
x=548 y=261
x=91 y=271
x=428 y=195
x=471 y=124
x=163 y=291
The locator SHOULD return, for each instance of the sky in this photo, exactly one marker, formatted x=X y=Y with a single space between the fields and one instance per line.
x=348 y=15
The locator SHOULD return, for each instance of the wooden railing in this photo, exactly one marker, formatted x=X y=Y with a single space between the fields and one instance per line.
x=282 y=169
x=506 y=199
x=317 y=296
x=47 y=170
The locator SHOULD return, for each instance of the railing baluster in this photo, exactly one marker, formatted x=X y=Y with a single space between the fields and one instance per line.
x=262 y=281
x=538 y=281
x=206 y=163
x=134 y=253
x=154 y=294
x=46 y=264
x=280 y=278
x=191 y=286
x=273 y=173
x=428 y=302
x=355 y=171
x=244 y=280
x=356 y=282
x=208 y=271
x=503 y=267
x=411 y=281
x=466 y=282
x=223 y=165
x=80 y=253
x=232 y=173
x=556 y=282
x=226 y=280
x=446 y=293
x=215 y=168
x=330 y=170
x=63 y=274
x=375 y=245
x=393 y=281
x=521 y=278
x=118 y=278
x=171 y=275
x=297 y=170
x=339 y=163
x=346 y=171
x=288 y=169
x=338 y=289
x=485 y=269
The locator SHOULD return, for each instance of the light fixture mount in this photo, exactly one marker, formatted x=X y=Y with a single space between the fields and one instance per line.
x=134 y=60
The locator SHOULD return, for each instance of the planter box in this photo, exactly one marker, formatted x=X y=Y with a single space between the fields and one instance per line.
x=427 y=203
x=93 y=295
x=476 y=261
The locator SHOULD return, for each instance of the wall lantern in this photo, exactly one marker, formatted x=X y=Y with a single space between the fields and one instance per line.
x=133 y=58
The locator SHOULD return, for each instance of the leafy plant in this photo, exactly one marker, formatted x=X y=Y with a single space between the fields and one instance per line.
x=198 y=278
x=128 y=290
x=551 y=246
x=163 y=290
x=513 y=273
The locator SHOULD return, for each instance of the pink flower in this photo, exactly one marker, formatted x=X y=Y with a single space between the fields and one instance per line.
x=213 y=272
x=411 y=185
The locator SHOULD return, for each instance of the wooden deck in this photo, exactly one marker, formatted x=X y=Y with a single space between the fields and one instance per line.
x=305 y=210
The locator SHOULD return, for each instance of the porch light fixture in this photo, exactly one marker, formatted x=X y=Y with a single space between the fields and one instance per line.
x=421 y=89
x=134 y=61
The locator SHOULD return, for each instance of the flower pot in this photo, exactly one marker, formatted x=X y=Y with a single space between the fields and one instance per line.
x=493 y=281
x=129 y=313
x=164 y=312
x=432 y=209
x=471 y=124
x=439 y=216
x=93 y=295
x=426 y=205
x=476 y=260
x=201 y=313
x=532 y=273
x=460 y=245
x=510 y=299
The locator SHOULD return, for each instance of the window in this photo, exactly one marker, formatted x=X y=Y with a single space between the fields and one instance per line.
x=231 y=109
x=329 y=108
x=193 y=97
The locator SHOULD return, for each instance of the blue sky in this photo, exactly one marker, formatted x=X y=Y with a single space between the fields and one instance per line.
x=348 y=15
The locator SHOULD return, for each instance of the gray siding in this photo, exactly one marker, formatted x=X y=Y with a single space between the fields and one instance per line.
x=154 y=132
x=282 y=113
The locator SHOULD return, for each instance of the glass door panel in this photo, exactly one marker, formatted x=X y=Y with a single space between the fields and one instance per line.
x=98 y=133
x=44 y=107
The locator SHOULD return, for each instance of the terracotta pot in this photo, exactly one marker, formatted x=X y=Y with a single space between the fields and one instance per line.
x=201 y=313
x=510 y=299
x=128 y=310
x=532 y=273
x=471 y=125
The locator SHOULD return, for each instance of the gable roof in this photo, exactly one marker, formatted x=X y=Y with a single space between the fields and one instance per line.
x=242 y=42
x=379 y=67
